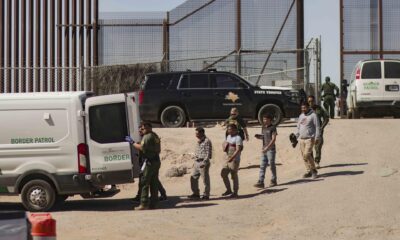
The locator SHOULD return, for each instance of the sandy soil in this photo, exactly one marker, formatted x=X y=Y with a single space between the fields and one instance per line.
x=356 y=197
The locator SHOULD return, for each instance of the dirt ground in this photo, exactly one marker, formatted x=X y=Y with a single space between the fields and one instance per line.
x=357 y=195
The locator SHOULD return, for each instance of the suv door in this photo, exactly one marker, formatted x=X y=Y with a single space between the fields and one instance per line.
x=392 y=80
x=371 y=87
x=106 y=129
x=230 y=91
x=197 y=95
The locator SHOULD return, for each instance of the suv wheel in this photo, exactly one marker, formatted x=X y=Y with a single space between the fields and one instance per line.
x=38 y=196
x=173 y=117
x=272 y=109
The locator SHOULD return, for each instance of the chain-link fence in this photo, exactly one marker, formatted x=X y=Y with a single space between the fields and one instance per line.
x=108 y=79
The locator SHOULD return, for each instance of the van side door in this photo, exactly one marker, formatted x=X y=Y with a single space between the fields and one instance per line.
x=392 y=80
x=106 y=129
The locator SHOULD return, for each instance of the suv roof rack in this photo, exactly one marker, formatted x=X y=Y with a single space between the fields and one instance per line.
x=212 y=70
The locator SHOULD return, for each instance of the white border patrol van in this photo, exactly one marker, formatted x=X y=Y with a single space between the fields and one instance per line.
x=374 y=89
x=55 y=145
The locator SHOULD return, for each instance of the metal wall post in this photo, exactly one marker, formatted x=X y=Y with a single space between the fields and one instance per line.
x=45 y=45
x=23 y=45
x=66 y=46
x=30 y=46
x=300 y=38
x=8 y=45
x=59 y=82
x=37 y=47
x=1 y=46
x=73 y=50
x=238 y=36
x=16 y=47
x=52 y=45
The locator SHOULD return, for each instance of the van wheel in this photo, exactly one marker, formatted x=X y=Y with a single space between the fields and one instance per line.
x=356 y=113
x=38 y=196
x=272 y=109
x=173 y=117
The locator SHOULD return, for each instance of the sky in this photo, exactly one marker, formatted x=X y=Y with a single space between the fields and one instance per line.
x=321 y=18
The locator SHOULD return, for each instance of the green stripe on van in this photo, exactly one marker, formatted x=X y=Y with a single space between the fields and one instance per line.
x=3 y=190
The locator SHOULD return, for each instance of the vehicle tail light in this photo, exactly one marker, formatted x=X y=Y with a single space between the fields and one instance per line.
x=141 y=97
x=358 y=74
x=83 y=153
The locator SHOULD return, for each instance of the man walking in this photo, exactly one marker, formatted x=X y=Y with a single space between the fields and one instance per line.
x=308 y=131
x=203 y=156
x=323 y=120
x=329 y=96
x=233 y=147
x=150 y=149
x=268 y=135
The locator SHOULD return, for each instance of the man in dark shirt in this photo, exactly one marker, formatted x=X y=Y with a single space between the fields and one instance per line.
x=234 y=118
x=268 y=135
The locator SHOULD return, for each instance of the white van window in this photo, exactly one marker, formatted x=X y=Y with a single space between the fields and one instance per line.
x=108 y=123
x=392 y=69
x=371 y=70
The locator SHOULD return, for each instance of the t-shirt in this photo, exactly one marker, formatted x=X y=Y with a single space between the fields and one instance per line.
x=267 y=132
x=234 y=143
x=151 y=146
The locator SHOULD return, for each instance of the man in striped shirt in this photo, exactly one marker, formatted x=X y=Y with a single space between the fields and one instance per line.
x=203 y=156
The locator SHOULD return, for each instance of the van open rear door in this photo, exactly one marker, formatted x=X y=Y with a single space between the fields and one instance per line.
x=106 y=129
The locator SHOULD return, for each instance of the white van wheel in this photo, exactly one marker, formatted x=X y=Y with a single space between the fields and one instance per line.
x=38 y=196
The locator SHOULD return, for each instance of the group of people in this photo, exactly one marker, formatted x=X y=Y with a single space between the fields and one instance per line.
x=310 y=128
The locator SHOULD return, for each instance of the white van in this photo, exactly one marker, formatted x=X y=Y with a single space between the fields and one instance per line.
x=55 y=145
x=374 y=89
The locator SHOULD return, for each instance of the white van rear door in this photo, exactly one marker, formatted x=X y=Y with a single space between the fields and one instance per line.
x=134 y=122
x=106 y=129
x=392 y=80
x=371 y=87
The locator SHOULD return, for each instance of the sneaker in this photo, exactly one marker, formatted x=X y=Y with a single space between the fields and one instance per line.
x=205 y=197
x=317 y=165
x=273 y=184
x=163 y=198
x=233 y=195
x=307 y=175
x=228 y=192
x=259 y=185
x=194 y=196
x=314 y=174
x=142 y=207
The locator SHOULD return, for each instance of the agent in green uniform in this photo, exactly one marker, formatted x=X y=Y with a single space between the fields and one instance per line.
x=150 y=148
x=328 y=95
x=323 y=119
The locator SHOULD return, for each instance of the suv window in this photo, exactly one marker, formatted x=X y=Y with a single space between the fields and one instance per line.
x=392 y=70
x=226 y=81
x=195 y=81
x=108 y=123
x=371 y=70
x=158 y=82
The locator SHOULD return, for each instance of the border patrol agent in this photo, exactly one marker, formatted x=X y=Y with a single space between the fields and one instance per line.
x=328 y=95
x=150 y=148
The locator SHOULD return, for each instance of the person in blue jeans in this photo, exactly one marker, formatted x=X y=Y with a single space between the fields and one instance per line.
x=268 y=136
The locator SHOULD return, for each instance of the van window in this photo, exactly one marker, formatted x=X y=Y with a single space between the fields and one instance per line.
x=108 y=123
x=371 y=70
x=392 y=70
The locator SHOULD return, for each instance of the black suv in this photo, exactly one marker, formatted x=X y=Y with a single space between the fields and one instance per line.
x=176 y=97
